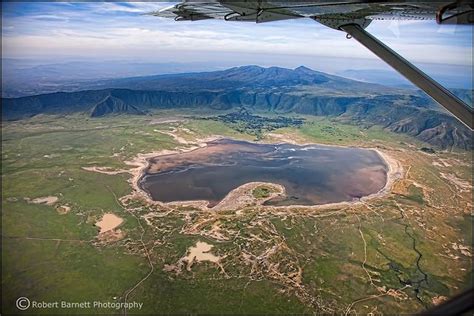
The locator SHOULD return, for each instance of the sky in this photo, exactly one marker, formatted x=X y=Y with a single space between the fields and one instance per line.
x=62 y=31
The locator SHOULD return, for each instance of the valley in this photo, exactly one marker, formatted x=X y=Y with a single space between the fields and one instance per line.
x=92 y=227
x=166 y=158
x=273 y=90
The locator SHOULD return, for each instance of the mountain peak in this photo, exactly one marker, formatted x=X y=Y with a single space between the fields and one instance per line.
x=247 y=68
x=303 y=69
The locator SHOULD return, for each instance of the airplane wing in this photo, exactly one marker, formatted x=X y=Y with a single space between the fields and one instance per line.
x=351 y=17
x=459 y=12
x=194 y=11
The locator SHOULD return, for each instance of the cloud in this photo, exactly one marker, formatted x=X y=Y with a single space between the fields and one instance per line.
x=105 y=30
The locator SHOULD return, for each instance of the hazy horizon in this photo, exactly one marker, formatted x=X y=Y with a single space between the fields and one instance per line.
x=22 y=77
x=98 y=34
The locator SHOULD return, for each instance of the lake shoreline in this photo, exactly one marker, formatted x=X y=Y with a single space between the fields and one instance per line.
x=143 y=161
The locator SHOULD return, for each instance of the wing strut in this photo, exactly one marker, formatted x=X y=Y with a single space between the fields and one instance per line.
x=440 y=94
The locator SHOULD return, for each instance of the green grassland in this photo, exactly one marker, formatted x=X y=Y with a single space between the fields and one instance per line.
x=48 y=256
x=262 y=192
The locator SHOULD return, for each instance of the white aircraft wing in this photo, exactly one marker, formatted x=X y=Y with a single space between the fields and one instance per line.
x=459 y=12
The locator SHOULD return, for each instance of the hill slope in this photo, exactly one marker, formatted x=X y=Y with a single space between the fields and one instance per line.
x=113 y=105
x=274 y=89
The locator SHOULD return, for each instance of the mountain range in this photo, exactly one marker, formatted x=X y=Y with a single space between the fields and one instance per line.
x=273 y=89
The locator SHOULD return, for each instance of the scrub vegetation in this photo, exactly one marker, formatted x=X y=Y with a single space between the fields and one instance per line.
x=400 y=253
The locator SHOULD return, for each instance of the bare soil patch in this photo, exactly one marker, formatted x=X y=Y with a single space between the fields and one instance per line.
x=108 y=222
x=48 y=200
x=63 y=209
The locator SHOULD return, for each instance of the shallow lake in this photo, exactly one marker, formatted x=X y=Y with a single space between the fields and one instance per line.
x=311 y=175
